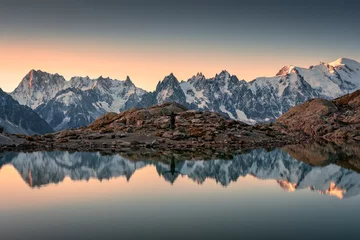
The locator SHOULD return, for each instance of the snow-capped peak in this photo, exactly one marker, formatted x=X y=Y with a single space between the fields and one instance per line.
x=263 y=99
x=352 y=64
x=285 y=70
x=38 y=87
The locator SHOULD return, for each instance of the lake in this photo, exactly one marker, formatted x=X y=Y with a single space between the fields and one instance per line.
x=297 y=192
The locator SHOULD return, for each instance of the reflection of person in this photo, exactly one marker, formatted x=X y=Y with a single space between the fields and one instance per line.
x=172 y=166
x=172 y=170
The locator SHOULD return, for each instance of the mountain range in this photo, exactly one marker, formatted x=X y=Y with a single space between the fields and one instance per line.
x=79 y=101
x=42 y=168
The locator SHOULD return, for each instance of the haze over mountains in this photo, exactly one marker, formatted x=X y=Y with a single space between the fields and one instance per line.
x=70 y=104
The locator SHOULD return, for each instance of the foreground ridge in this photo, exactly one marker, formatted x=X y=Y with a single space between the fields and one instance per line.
x=336 y=121
x=152 y=128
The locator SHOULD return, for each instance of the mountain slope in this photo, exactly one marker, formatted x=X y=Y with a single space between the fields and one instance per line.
x=38 y=87
x=75 y=103
x=16 y=118
x=263 y=99
x=71 y=108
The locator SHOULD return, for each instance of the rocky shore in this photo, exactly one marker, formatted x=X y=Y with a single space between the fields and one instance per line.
x=150 y=128
x=323 y=120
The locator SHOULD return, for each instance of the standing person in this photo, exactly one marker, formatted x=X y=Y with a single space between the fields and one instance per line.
x=172 y=120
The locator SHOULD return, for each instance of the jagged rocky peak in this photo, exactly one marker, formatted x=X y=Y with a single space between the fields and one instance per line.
x=101 y=78
x=169 y=90
x=128 y=81
x=171 y=77
x=168 y=81
x=38 y=87
x=103 y=82
x=199 y=76
x=223 y=75
x=81 y=82
x=38 y=77
x=88 y=99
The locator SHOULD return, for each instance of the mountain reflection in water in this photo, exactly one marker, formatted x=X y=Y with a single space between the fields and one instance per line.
x=326 y=169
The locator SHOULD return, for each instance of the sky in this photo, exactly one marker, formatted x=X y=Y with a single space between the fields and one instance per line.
x=148 y=39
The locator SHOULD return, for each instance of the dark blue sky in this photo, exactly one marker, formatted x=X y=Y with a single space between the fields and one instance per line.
x=274 y=32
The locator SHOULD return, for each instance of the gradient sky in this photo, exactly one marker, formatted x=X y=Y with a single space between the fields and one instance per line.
x=148 y=39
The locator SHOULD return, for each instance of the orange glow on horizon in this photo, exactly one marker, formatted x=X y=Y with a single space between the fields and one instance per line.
x=142 y=183
x=145 y=66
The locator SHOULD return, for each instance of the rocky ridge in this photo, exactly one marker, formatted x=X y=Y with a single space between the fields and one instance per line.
x=336 y=121
x=150 y=128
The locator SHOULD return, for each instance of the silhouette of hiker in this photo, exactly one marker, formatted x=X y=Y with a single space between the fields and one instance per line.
x=172 y=120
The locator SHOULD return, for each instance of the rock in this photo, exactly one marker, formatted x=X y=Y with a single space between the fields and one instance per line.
x=196 y=120
x=62 y=140
x=94 y=136
x=121 y=135
x=332 y=120
x=48 y=135
x=164 y=126
x=139 y=123
x=29 y=138
x=104 y=131
x=123 y=143
x=357 y=138
x=66 y=133
x=167 y=135
x=134 y=143
x=196 y=132
x=208 y=137
x=177 y=135
x=155 y=143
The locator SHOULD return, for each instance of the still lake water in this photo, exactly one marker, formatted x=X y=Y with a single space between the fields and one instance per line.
x=256 y=195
